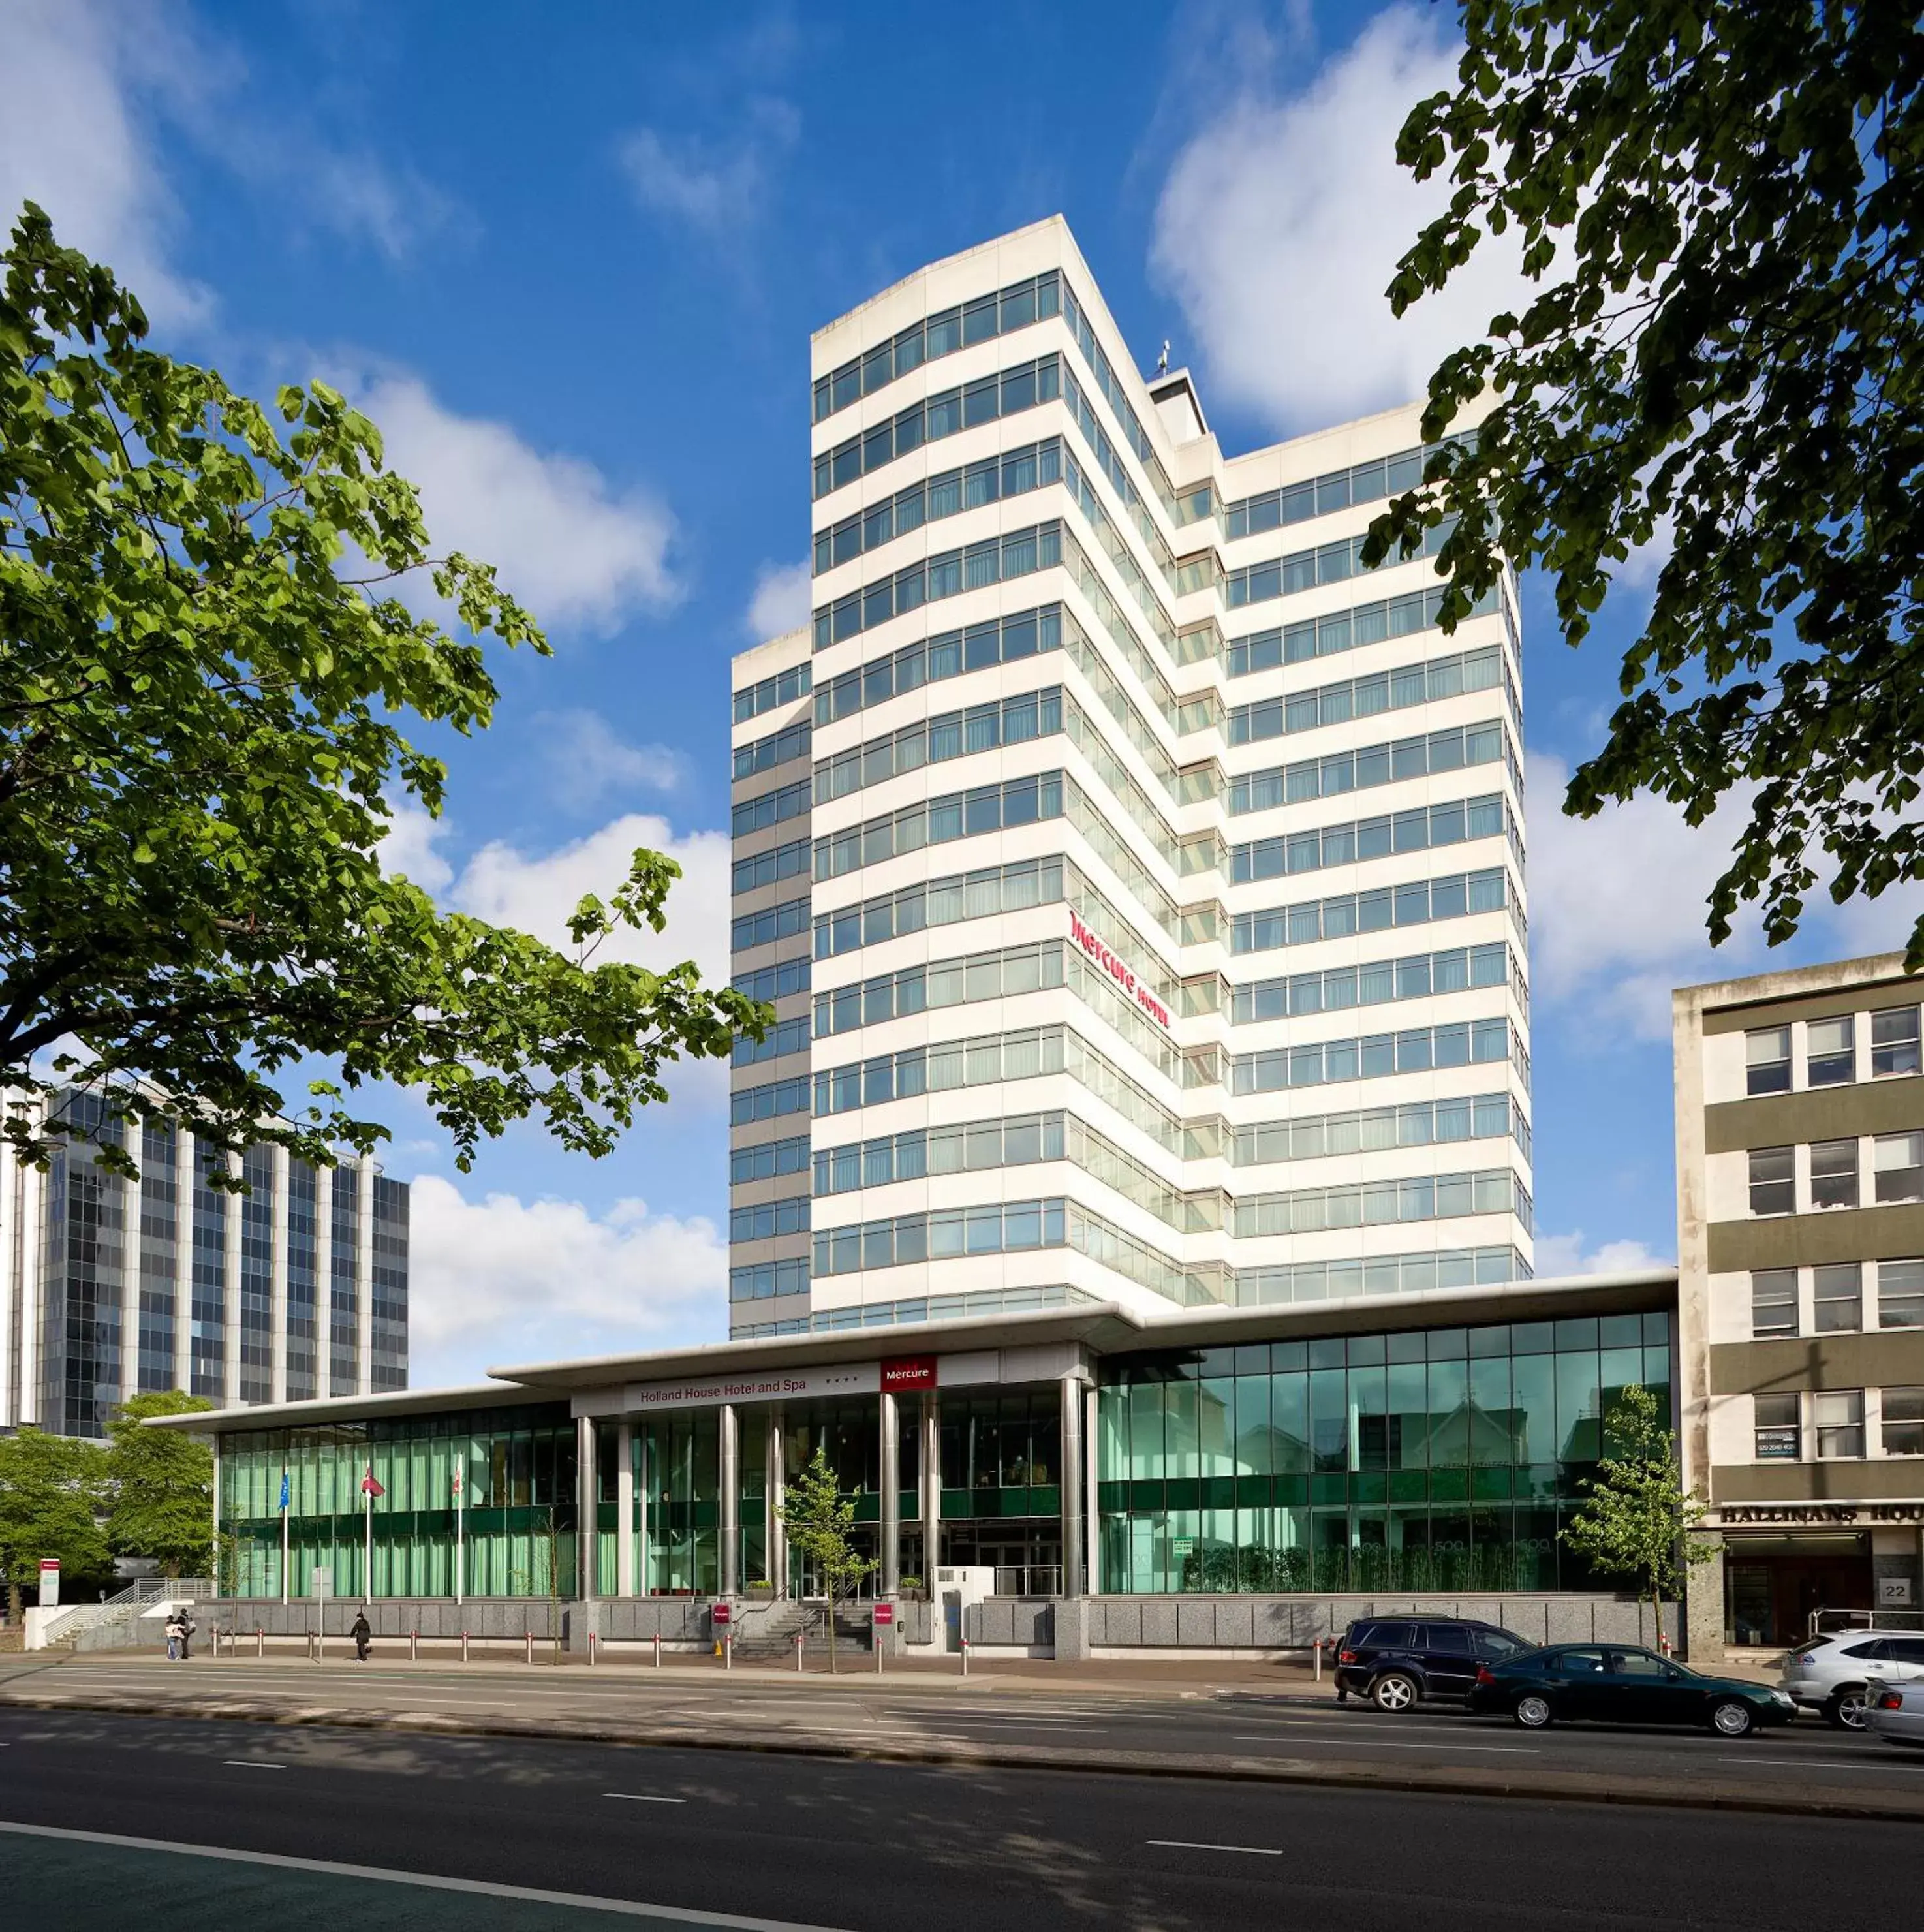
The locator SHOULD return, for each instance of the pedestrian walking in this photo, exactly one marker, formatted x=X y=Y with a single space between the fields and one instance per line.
x=360 y=1633
x=173 y=1629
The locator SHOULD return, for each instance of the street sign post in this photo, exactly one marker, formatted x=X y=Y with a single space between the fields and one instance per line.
x=49 y=1583
x=883 y=1618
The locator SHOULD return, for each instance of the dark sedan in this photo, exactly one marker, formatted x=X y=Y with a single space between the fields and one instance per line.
x=1619 y=1683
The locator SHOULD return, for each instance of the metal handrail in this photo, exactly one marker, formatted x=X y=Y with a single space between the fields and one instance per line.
x=1855 y=1618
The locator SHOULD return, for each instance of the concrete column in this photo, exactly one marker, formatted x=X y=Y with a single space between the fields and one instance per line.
x=890 y=1581
x=730 y=1484
x=775 y=1492
x=586 y=1492
x=183 y=1259
x=1704 y=1609
x=277 y=1315
x=364 y=1279
x=230 y=1291
x=1072 y=1478
x=931 y=1488
x=625 y=1508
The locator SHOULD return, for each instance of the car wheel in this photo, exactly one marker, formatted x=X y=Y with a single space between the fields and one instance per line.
x=1731 y=1719
x=1848 y=1710
x=1394 y=1692
x=1533 y=1711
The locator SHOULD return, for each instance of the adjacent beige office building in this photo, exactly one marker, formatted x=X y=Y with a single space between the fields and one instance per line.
x=1800 y=1233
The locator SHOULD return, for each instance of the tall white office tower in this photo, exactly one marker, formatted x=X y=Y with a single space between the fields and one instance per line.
x=1139 y=882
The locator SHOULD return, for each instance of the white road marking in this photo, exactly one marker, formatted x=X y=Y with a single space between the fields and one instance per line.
x=626 y=1908
x=253 y=1764
x=1386 y=1744
x=1808 y=1763
x=643 y=1797
x=1196 y=1845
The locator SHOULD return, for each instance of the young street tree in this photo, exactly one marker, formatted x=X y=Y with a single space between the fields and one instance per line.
x=203 y=659
x=52 y=1489
x=1635 y=1519
x=1718 y=202
x=160 y=1484
x=818 y=1520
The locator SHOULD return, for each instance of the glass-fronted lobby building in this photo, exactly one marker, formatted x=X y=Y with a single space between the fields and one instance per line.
x=1435 y=1442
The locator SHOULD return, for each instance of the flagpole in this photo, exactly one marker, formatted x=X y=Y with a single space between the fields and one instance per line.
x=284 y=1514
x=460 y=1525
x=367 y=1570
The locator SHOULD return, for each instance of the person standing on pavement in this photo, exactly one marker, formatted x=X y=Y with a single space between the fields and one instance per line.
x=173 y=1629
x=360 y=1633
x=186 y=1634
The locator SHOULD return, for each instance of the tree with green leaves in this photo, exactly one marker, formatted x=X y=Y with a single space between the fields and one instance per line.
x=52 y=1492
x=818 y=1518
x=205 y=663
x=1635 y=1519
x=1715 y=203
x=159 y=1486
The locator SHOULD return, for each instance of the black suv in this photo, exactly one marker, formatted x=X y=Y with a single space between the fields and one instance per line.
x=1394 y=1661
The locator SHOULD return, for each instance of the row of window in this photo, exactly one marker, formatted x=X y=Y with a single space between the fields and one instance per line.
x=1836 y=1305
x=975 y=567
x=1341 y=631
x=765 y=754
x=947 y=412
x=1000 y=1227
x=771 y=808
x=989 y=1058
x=1015 y=472
x=1442 y=1197
x=1375 y=1056
x=1457 y=969
x=763 y=1281
x=938 y=821
x=1377 y=1130
x=1831 y=1051
x=1834 y=1173
x=1297 y=502
x=972 y=1147
x=777 y=981
x=942 y=982
x=770 y=925
x=1344 y=914
x=770 y=1102
x=1831 y=1422
x=1424 y=756
x=1022 y=634
x=770 y=868
x=1426 y=683
x=764 y=1222
x=1419 y=830
x=772 y=693
x=769 y=1161
x=785 y=1036
x=1000 y=312
x=952 y=734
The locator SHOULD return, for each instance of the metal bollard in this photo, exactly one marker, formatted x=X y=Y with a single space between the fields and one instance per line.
x=1316 y=1647
x=798 y=1653
x=658 y=1650
x=260 y=1641
x=728 y=1651
x=965 y=1656
x=414 y=1646
x=464 y=1646
x=591 y=1650
x=530 y=1636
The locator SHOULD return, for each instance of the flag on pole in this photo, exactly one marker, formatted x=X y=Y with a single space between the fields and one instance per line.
x=286 y=1494
x=457 y=1480
x=369 y=1487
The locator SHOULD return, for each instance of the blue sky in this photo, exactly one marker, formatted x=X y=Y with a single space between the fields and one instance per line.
x=570 y=258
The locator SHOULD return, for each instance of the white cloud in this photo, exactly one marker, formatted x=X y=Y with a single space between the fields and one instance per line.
x=1560 y=1254
x=1281 y=224
x=535 y=893
x=500 y=1280
x=711 y=189
x=72 y=138
x=566 y=544
x=409 y=849
x=588 y=761
x=783 y=602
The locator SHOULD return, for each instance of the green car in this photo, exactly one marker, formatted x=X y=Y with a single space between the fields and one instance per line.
x=1622 y=1684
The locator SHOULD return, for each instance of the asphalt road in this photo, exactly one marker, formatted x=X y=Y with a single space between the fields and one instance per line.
x=692 y=1705
x=856 y=1845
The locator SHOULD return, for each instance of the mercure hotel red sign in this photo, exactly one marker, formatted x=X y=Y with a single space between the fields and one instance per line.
x=1118 y=970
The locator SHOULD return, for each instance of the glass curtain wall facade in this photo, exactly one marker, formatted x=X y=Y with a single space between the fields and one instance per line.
x=1448 y=1458
x=110 y=1287
x=1007 y=818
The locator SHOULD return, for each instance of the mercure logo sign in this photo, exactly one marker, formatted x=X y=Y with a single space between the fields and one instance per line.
x=1123 y=975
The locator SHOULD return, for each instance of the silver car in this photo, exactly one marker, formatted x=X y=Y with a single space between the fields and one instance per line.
x=1832 y=1674
x=1896 y=1710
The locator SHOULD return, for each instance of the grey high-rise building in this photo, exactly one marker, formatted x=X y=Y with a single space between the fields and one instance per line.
x=295 y=1289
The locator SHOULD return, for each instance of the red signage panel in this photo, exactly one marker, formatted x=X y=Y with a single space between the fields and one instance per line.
x=908 y=1372
x=720 y=1613
x=885 y=1613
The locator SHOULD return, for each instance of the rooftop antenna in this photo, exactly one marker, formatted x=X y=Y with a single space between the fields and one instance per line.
x=1162 y=366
